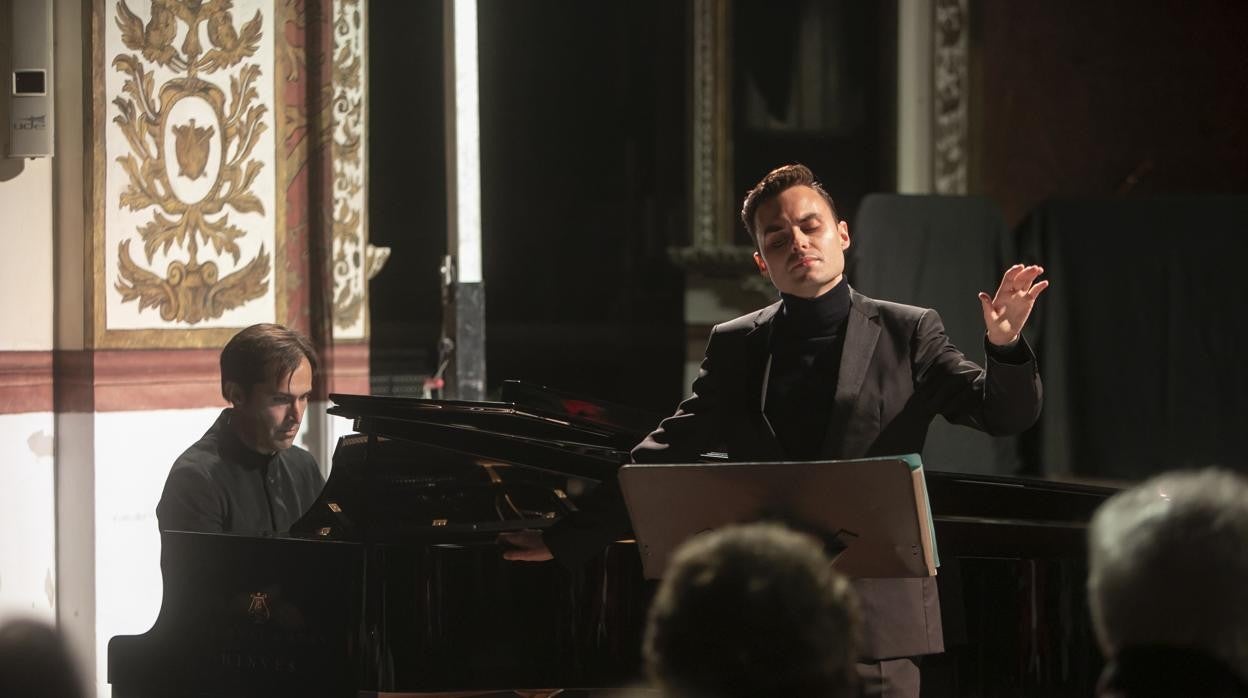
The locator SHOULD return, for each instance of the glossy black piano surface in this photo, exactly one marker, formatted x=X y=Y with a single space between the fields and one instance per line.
x=392 y=583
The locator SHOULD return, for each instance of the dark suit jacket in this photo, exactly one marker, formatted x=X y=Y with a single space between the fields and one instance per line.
x=898 y=371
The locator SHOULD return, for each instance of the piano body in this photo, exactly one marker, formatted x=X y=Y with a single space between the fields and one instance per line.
x=392 y=583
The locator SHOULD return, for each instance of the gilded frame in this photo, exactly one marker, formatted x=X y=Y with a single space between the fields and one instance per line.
x=98 y=334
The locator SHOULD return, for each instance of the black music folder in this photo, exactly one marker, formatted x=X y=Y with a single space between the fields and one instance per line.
x=873 y=513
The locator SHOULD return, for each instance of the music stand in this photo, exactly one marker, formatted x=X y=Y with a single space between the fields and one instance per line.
x=875 y=511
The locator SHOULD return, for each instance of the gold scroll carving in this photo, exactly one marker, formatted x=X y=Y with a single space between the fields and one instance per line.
x=189 y=290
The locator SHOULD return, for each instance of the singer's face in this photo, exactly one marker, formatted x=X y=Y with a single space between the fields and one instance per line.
x=801 y=244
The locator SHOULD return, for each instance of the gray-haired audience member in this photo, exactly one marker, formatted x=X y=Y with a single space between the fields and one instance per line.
x=753 y=610
x=1168 y=586
x=35 y=663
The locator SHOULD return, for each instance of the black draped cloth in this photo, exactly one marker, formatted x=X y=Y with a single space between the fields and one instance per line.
x=1156 y=671
x=939 y=252
x=1142 y=338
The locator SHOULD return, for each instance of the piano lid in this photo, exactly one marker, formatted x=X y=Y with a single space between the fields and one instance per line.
x=566 y=457
x=387 y=489
x=469 y=467
x=621 y=419
x=527 y=411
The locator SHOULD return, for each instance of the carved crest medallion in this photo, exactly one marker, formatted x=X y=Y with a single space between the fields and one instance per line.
x=190 y=161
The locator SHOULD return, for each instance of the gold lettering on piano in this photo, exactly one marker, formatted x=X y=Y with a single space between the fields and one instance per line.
x=251 y=662
x=439 y=522
x=259 y=608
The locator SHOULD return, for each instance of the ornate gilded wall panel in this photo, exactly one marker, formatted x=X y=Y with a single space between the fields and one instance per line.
x=296 y=145
x=951 y=87
x=186 y=213
x=349 y=237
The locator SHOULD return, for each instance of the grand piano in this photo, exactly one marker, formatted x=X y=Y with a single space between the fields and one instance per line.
x=392 y=583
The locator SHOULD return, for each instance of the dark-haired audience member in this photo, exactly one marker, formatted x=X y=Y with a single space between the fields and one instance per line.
x=753 y=610
x=245 y=475
x=1167 y=581
x=34 y=662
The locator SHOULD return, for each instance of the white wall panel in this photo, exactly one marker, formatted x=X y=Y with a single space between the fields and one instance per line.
x=27 y=517
x=25 y=254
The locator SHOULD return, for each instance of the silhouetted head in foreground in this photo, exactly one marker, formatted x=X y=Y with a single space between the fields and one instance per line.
x=752 y=610
x=35 y=663
x=1167 y=573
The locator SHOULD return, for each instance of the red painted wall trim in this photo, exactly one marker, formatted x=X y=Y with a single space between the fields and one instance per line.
x=349 y=372
x=25 y=381
x=137 y=379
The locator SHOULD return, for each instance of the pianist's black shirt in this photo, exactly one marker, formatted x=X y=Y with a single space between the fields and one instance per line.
x=218 y=485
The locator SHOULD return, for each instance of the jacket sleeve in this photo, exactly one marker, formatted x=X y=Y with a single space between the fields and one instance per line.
x=1004 y=397
x=583 y=534
x=683 y=437
x=691 y=431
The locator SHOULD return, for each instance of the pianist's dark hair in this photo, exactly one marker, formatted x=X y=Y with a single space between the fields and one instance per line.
x=753 y=610
x=777 y=181
x=264 y=352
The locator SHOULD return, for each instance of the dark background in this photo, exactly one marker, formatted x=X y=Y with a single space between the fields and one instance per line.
x=1114 y=98
x=585 y=154
x=583 y=151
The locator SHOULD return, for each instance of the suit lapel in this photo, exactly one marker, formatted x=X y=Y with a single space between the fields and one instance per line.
x=758 y=367
x=850 y=429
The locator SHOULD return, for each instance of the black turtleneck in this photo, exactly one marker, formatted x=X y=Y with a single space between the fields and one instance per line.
x=219 y=485
x=807 y=338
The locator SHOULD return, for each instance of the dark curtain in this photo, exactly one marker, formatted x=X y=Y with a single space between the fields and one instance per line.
x=1141 y=337
x=939 y=252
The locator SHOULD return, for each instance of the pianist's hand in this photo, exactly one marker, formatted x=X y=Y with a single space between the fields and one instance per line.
x=524 y=546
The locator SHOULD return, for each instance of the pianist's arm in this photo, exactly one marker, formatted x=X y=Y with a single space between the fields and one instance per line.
x=190 y=502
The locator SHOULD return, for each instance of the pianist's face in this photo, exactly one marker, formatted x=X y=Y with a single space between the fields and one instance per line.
x=268 y=416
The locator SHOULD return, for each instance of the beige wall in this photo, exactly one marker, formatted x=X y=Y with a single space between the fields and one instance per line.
x=27 y=519
x=26 y=256
x=78 y=539
x=25 y=233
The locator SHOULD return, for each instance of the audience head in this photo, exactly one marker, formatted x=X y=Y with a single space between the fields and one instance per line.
x=34 y=662
x=752 y=610
x=1168 y=567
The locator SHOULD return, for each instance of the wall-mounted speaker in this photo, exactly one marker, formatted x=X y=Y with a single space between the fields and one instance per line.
x=31 y=120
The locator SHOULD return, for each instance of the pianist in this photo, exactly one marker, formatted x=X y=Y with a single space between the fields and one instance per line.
x=245 y=475
x=826 y=373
